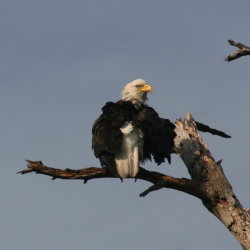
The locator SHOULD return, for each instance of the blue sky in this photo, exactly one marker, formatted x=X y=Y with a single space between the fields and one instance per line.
x=60 y=62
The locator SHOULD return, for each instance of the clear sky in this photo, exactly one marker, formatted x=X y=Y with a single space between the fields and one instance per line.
x=60 y=62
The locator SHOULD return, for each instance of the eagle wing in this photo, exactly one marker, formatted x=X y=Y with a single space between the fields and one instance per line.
x=107 y=136
x=158 y=135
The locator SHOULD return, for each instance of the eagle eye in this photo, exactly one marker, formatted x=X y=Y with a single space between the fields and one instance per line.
x=139 y=85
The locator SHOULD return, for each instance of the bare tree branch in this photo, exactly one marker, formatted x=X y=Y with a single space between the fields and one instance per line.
x=205 y=128
x=219 y=197
x=243 y=51
x=84 y=174
x=181 y=184
x=208 y=181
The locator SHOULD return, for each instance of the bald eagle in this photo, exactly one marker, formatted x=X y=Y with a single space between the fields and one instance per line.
x=129 y=132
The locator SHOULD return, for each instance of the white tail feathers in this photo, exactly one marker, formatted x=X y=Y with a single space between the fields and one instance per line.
x=127 y=160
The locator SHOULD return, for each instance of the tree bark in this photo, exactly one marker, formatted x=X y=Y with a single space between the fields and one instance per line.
x=243 y=51
x=218 y=196
x=208 y=181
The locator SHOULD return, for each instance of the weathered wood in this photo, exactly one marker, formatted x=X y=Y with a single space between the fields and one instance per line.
x=218 y=196
x=85 y=174
x=208 y=181
x=243 y=51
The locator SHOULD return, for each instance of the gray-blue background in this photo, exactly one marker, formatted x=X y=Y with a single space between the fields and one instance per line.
x=60 y=61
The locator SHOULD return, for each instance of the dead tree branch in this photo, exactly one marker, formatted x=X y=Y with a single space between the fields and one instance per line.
x=85 y=174
x=208 y=181
x=205 y=128
x=243 y=51
x=219 y=197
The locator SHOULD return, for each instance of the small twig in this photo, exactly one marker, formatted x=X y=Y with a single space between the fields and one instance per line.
x=243 y=51
x=155 y=187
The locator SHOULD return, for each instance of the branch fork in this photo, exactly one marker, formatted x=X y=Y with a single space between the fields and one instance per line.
x=243 y=51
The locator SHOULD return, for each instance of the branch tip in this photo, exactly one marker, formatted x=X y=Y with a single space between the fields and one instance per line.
x=189 y=117
x=219 y=162
x=232 y=42
x=242 y=51
x=155 y=187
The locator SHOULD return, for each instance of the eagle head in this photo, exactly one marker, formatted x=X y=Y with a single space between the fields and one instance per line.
x=136 y=92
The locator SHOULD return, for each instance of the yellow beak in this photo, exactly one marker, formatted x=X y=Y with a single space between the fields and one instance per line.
x=146 y=88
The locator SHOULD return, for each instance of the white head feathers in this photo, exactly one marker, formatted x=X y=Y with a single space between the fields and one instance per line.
x=136 y=91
